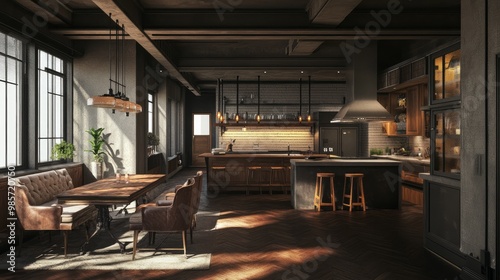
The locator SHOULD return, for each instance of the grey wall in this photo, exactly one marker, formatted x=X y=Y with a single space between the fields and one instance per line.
x=478 y=121
x=90 y=78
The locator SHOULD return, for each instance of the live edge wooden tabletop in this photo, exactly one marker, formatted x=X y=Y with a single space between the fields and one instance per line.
x=110 y=191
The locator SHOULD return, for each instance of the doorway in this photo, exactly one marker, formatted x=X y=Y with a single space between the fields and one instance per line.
x=201 y=138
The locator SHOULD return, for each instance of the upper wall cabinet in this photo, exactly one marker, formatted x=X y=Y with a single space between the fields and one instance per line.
x=403 y=75
x=445 y=76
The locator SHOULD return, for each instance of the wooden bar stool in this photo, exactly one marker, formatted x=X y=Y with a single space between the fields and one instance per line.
x=360 y=193
x=318 y=193
x=277 y=177
x=217 y=172
x=251 y=172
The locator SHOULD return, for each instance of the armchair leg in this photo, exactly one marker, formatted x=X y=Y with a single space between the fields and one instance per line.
x=136 y=236
x=184 y=242
x=65 y=234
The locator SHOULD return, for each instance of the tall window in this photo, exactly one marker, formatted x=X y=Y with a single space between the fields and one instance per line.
x=151 y=113
x=51 y=100
x=11 y=65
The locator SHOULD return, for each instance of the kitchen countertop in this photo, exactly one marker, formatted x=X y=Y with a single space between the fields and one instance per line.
x=423 y=161
x=343 y=162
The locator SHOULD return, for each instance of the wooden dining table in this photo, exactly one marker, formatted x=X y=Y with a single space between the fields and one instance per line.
x=111 y=191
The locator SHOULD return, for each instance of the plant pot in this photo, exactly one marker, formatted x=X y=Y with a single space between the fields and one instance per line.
x=96 y=169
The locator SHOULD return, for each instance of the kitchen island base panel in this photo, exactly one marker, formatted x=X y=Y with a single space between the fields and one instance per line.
x=382 y=181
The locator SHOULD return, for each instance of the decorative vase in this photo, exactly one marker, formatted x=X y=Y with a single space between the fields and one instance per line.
x=96 y=169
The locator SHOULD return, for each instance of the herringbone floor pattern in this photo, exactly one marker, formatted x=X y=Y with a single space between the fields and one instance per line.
x=262 y=237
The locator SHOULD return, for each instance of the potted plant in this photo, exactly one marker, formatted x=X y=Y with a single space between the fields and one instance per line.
x=96 y=143
x=153 y=141
x=63 y=150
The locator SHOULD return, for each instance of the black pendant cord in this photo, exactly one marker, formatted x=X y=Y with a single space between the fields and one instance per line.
x=117 y=90
x=110 y=91
x=237 y=98
x=222 y=100
x=123 y=61
x=218 y=99
x=300 y=99
x=258 y=96
x=309 y=110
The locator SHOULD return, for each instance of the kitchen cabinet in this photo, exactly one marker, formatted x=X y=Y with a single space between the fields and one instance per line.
x=442 y=184
x=405 y=105
x=446 y=77
x=445 y=142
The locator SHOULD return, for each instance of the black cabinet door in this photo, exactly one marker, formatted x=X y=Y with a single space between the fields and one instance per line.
x=349 y=142
x=329 y=141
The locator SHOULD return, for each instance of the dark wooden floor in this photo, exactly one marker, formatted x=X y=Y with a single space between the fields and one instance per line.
x=262 y=237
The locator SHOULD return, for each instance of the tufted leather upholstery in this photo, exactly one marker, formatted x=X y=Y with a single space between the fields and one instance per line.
x=36 y=206
x=174 y=217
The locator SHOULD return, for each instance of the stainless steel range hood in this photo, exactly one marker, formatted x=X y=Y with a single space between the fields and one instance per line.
x=362 y=82
x=367 y=110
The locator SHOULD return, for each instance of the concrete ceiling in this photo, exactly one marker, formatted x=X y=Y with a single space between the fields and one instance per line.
x=198 y=41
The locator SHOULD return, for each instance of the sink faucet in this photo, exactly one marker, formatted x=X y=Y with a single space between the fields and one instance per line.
x=288 y=149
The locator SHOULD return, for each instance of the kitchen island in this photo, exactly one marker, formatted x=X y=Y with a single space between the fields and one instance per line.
x=382 y=181
x=232 y=173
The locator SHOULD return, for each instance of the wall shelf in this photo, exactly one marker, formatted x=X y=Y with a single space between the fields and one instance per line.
x=266 y=123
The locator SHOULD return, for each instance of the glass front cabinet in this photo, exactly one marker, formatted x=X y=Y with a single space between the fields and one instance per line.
x=442 y=186
x=446 y=142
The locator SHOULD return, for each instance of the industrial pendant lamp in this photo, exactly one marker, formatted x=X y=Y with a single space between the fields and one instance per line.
x=118 y=99
x=237 y=117
x=309 y=110
x=218 y=100
x=300 y=100
x=221 y=118
x=258 y=100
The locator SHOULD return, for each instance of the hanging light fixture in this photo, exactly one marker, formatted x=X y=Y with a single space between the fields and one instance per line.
x=309 y=110
x=106 y=100
x=300 y=100
x=218 y=100
x=118 y=99
x=258 y=99
x=221 y=118
x=237 y=117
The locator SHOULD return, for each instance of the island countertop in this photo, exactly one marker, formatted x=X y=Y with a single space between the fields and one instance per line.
x=382 y=180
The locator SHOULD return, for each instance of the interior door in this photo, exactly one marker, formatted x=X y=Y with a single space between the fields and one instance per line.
x=201 y=138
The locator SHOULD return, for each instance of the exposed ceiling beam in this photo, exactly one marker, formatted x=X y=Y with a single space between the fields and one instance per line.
x=331 y=12
x=135 y=31
x=262 y=34
x=54 y=11
x=194 y=63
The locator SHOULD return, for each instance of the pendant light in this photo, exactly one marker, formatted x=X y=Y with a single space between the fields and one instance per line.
x=118 y=99
x=106 y=100
x=222 y=101
x=237 y=117
x=258 y=99
x=309 y=110
x=300 y=100
x=218 y=100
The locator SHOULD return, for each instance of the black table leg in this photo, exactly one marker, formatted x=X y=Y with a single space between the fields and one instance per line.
x=103 y=224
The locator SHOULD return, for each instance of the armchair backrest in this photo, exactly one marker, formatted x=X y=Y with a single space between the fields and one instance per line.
x=197 y=188
x=171 y=218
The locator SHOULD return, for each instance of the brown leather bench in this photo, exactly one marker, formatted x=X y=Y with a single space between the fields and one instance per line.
x=37 y=207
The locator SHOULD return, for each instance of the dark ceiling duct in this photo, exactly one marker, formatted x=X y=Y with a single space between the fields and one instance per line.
x=363 y=83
